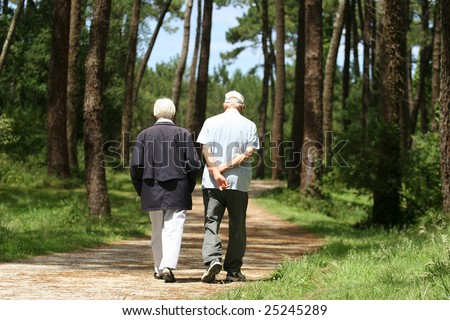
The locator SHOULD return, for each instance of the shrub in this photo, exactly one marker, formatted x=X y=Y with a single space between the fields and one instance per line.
x=421 y=174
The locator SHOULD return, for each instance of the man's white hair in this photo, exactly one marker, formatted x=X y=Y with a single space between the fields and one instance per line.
x=234 y=97
x=164 y=108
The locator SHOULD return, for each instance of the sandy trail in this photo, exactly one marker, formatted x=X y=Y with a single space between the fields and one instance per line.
x=123 y=270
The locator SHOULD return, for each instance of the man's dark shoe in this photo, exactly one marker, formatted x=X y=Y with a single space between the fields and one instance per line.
x=210 y=274
x=235 y=276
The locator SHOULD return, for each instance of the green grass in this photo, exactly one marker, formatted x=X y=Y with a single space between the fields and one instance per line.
x=355 y=263
x=41 y=215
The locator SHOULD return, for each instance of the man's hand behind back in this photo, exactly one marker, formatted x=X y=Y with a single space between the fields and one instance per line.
x=221 y=181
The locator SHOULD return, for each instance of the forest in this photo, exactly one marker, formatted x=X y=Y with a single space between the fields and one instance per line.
x=76 y=88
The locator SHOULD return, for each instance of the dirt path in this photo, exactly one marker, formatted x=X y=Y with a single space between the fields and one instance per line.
x=123 y=270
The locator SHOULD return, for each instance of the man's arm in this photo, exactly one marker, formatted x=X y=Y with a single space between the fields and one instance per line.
x=237 y=160
x=213 y=168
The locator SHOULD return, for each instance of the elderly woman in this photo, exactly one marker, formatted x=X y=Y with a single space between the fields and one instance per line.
x=163 y=170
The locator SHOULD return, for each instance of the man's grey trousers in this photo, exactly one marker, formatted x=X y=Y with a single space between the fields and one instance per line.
x=216 y=202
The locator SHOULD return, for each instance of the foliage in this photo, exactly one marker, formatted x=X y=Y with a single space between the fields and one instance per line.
x=6 y=131
x=24 y=77
x=23 y=83
x=157 y=84
x=421 y=187
x=41 y=214
x=28 y=128
x=23 y=91
x=421 y=177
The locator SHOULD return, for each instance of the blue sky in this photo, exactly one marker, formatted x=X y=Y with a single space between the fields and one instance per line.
x=168 y=45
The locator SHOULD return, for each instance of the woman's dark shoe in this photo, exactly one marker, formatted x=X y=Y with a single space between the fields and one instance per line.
x=168 y=276
x=157 y=276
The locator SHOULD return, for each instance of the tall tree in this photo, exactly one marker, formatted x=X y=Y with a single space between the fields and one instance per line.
x=12 y=29
x=330 y=67
x=355 y=40
x=5 y=4
x=419 y=106
x=280 y=85
x=330 y=71
x=405 y=114
x=97 y=191
x=202 y=80
x=72 y=80
x=263 y=106
x=313 y=123
x=444 y=129
x=144 y=61
x=377 y=59
x=193 y=72
x=369 y=17
x=178 y=79
x=348 y=21
x=127 y=113
x=436 y=64
x=58 y=158
x=386 y=207
x=299 y=98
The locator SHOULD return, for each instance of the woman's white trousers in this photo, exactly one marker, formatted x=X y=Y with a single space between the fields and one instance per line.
x=167 y=233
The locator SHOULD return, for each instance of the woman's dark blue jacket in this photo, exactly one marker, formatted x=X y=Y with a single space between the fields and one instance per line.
x=164 y=166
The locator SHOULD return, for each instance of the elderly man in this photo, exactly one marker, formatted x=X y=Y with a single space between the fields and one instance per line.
x=163 y=170
x=228 y=141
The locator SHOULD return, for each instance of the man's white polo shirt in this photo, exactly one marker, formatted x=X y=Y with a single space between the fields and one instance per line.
x=228 y=135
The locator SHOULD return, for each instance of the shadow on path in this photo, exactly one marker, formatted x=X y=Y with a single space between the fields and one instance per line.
x=124 y=270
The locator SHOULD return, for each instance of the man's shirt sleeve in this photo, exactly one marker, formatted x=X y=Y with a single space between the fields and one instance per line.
x=254 y=139
x=203 y=136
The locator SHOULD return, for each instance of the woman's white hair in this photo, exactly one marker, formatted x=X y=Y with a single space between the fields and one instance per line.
x=164 y=108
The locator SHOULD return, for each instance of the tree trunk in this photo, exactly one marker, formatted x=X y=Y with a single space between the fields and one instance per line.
x=330 y=70
x=356 y=40
x=361 y=17
x=127 y=114
x=299 y=99
x=369 y=13
x=143 y=64
x=178 y=80
x=375 y=39
x=280 y=85
x=386 y=207
x=201 y=95
x=192 y=72
x=268 y=62
x=5 y=4
x=424 y=66
x=58 y=158
x=444 y=125
x=425 y=56
x=330 y=67
x=313 y=133
x=72 y=80
x=410 y=96
x=405 y=115
x=377 y=59
x=346 y=67
x=97 y=191
x=12 y=29
x=435 y=83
